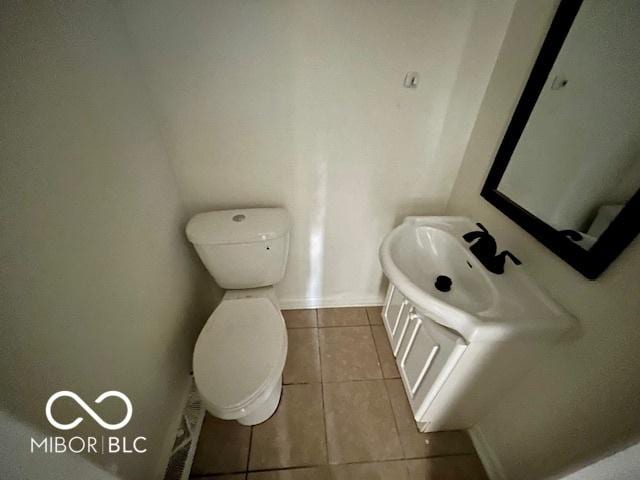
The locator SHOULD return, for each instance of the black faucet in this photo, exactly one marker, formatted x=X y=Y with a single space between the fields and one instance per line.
x=485 y=249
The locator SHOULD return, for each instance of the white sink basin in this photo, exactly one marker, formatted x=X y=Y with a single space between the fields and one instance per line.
x=480 y=305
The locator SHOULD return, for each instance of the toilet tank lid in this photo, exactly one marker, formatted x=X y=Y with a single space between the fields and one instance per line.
x=243 y=225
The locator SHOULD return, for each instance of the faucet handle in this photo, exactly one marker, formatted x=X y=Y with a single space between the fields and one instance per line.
x=482 y=227
x=513 y=258
x=475 y=234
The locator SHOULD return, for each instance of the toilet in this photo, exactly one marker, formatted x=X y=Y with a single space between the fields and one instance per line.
x=241 y=351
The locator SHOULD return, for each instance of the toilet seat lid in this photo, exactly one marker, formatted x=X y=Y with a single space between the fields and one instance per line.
x=241 y=349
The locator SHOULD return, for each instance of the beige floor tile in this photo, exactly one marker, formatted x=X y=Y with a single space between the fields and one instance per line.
x=348 y=353
x=303 y=357
x=416 y=444
x=457 y=467
x=395 y=470
x=300 y=318
x=223 y=447
x=294 y=435
x=360 y=424
x=463 y=467
x=230 y=476
x=341 y=317
x=387 y=360
x=311 y=473
x=375 y=315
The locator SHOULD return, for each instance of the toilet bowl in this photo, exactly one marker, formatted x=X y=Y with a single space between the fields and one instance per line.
x=241 y=351
x=239 y=358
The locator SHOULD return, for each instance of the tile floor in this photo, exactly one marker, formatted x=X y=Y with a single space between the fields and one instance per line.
x=343 y=414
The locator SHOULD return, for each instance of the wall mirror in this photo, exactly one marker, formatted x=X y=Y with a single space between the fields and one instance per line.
x=568 y=167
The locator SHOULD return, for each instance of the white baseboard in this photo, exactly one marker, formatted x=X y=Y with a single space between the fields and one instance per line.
x=300 y=303
x=489 y=459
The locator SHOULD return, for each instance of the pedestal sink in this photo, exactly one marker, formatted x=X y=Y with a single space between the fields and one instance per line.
x=480 y=305
x=461 y=335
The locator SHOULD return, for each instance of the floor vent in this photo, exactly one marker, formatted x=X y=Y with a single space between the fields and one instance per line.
x=184 y=447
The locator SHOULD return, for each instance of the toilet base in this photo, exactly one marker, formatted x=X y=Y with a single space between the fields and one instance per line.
x=265 y=409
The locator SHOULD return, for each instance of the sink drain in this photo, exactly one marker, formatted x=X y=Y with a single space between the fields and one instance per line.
x=443 y=283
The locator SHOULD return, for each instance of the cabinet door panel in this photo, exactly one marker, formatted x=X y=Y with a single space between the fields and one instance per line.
x=427 y=349
x=392 y=306
x=395 y=317
x=400 y=328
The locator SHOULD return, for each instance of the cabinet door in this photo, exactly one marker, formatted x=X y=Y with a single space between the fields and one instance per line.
x=392 y=305
x=401 y=326
x=425 y=358
x=396 y=317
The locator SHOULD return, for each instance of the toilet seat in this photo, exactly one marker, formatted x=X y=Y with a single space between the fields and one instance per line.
x=239 y=355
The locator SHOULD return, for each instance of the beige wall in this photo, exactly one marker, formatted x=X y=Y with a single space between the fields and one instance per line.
x=301 y=104
x=583 y=399
x=622 y=465
x=98 y=283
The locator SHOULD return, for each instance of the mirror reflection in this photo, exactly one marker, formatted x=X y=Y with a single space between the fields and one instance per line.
x=577 y=161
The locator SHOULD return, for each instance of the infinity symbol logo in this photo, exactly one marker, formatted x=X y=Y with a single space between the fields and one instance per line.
x=89 y=410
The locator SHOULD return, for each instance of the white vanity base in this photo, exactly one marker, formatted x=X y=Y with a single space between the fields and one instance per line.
x=450 y=383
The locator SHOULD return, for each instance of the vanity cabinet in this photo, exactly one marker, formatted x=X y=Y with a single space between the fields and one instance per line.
x=460 y=349
x=425 y=351
x=450 y=383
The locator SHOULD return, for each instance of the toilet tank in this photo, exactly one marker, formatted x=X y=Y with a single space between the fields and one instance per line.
x=244 y=248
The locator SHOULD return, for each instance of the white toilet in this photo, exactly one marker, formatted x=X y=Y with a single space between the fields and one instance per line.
x=240 y=353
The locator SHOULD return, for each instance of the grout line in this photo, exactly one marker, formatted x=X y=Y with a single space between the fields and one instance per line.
x=219 y=474
x=378 y=348
x=345 y=326
x=386 y=389
x=443 y=455
x=344 y=307
x=361 y=462
x=370 y=321
x=377 y=379
x=299 y=467
x=375 y=347
x=249 y=451
x=368 y=317
x=324 y=412
x=315 y=465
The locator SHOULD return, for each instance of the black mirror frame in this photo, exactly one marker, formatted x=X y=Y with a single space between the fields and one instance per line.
x=622 y=230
